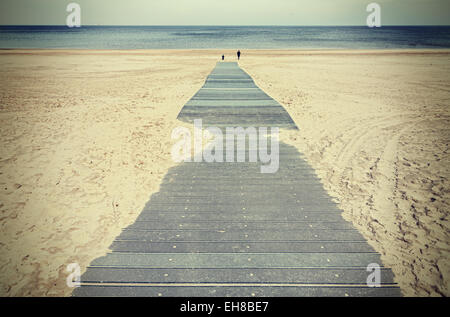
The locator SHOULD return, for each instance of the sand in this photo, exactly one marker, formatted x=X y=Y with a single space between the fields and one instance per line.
x=85 y=140
x=376 y=127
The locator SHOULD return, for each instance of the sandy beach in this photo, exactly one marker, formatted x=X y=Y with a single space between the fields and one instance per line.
x=86 y=138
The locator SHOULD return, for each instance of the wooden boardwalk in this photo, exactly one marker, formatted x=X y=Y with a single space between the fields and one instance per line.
x=226 y=229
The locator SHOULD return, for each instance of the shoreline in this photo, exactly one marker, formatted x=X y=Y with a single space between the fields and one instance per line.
x=300 y=50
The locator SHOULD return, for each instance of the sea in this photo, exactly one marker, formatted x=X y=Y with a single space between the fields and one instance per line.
x=225 y=37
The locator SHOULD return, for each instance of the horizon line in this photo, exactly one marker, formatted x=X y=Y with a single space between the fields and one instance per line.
x=229 y=25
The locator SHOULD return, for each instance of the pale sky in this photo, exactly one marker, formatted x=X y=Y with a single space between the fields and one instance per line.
x=225 y=12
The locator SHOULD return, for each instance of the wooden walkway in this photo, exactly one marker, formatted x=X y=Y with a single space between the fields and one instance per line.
x=226 y=229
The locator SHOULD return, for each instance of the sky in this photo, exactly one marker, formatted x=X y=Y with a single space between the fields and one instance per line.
x=225 y=12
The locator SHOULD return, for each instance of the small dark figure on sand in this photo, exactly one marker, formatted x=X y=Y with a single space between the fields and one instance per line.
x=239 y=55
x=223 y=57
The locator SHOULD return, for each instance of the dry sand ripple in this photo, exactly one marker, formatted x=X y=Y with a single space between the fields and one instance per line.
x=85 y=140
x=376 y=127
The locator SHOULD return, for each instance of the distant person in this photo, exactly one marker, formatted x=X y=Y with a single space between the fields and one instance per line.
x=239 y=55
x=223 y=57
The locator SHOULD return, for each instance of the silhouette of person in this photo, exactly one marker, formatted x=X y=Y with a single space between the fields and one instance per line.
x=223 y=57
x=239 y=55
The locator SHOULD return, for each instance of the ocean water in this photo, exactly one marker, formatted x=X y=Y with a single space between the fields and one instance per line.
x=223 y=37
